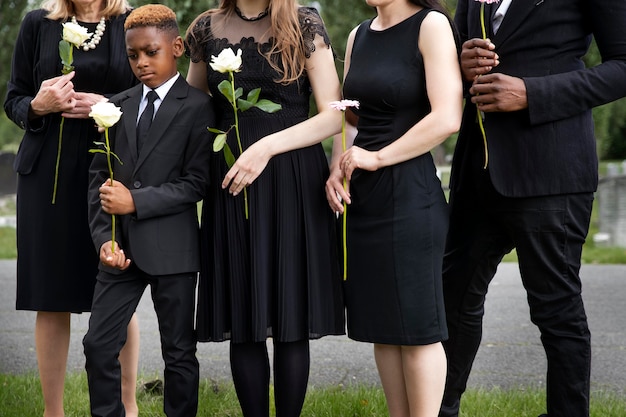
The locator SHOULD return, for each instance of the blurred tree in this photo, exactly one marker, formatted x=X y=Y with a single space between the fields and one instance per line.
x=10 y=18
x=340 y=17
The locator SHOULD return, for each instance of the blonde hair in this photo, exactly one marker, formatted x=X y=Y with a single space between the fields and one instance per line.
x=63 y=9
x=288 y=43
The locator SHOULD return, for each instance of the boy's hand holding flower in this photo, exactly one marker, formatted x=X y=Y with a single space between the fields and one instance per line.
x=106 y=114
x=115 y=259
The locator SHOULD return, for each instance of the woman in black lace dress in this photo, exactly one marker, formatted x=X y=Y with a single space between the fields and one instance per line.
x=276 y=273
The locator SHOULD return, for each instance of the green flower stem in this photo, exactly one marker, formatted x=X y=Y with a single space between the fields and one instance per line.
x=56 y=168
x=345 y=206
x=110 y=165
x=234 y=103
x=478 y=112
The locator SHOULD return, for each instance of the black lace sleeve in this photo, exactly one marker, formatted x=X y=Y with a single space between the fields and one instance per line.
x=311 y=24
x=197 y=39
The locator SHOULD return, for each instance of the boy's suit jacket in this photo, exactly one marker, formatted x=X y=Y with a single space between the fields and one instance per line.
x=166 y=180
x=550 y=147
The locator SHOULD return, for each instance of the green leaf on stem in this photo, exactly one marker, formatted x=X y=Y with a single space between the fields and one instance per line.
x=66 y=53
x=253 y=95
x=238 y=93
x=228 y=156
x=225 y=88
x=268 y=106
x=219 y=142
x=244 y=105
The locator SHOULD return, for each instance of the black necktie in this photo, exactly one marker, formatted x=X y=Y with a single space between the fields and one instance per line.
x=146 y=119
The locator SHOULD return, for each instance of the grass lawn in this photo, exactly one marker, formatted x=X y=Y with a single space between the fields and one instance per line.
x=21 y=396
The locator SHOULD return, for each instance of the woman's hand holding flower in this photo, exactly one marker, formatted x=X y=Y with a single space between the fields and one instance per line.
x=246 y=168
x=335 y=192
x=82 y=105
x=55 y=95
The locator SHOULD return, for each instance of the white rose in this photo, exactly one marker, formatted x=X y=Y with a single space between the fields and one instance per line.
x=105 y=113
x=75 y=34
x=226 y=61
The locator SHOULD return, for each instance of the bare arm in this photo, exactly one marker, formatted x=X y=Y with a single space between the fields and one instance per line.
x=444 y=89
x=335 y=192
x=321 y=71
x=196 y=76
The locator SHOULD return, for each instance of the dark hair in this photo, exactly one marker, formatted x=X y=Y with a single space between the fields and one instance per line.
x=432 y=4
x=436 y=5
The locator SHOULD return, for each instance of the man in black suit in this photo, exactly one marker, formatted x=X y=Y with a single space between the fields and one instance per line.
x=531 y=187
x=162 y=175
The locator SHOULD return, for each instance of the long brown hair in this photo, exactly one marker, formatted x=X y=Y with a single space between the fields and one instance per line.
x=287 y=54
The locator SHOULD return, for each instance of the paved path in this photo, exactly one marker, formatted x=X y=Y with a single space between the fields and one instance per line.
x=510 y=356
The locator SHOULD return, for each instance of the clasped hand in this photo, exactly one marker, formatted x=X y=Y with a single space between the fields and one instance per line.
x=355 y=157
x=57 y=95
x=491 y=92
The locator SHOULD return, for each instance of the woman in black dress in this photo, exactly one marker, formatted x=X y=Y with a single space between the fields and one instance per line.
x=402 y=67
x=57 y=262
x=275 y=274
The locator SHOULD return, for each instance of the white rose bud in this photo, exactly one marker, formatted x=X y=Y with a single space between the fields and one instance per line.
x=226 y=61
x=105 y=113
x=75 y=34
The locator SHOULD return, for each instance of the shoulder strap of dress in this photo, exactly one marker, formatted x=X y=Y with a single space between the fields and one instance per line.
x=311 y=24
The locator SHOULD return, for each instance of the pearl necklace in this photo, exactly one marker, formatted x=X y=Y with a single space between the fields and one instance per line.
x=95 y=38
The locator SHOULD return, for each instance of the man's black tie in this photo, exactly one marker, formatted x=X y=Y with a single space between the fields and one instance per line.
x=146 y=119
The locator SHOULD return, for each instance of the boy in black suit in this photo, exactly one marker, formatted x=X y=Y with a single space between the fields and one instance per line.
x=162 y=176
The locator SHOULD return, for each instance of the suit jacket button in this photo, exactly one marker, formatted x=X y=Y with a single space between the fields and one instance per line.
x=137 y=184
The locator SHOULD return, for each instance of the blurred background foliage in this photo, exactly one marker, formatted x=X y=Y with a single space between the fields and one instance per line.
x=340 y=17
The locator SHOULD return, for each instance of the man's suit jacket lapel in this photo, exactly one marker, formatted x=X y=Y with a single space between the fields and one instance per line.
x=518 y=12
x=168 y=110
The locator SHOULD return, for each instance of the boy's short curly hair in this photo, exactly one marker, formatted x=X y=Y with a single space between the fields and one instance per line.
x=155 y=15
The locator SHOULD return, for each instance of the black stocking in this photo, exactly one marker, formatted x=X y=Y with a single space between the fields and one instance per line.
x=249 y=364
x=291 y=376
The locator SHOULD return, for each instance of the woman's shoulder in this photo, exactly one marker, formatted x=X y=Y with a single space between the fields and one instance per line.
x=311 y=24
x=202 y=23
x=35 y=17
x=307 y=14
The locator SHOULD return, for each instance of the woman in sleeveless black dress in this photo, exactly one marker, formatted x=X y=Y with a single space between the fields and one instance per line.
x=402 y=67
x=276 y=273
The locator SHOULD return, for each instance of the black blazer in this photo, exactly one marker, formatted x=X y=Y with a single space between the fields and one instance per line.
x=550 y=147
x=36 y=59
x=166 y=180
